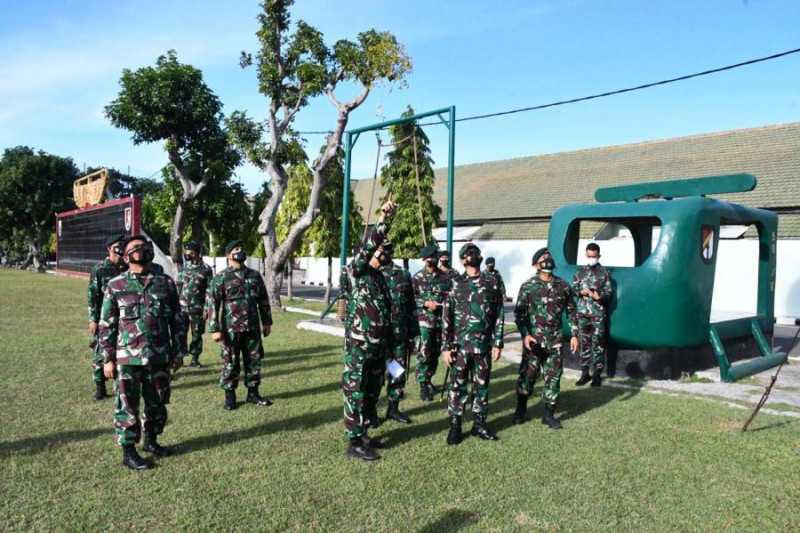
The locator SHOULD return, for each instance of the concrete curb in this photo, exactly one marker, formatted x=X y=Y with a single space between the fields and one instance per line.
x=336 y=331
x=302 y=311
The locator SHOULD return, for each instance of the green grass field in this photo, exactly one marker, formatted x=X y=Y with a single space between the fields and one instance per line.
x=625 y=461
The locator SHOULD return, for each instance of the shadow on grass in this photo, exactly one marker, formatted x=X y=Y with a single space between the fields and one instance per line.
x=452 y=520
x=46 y=443
x=184 y=385
x=275 y=357
x=773 y=425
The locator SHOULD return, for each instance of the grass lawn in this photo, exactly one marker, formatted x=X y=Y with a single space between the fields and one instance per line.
x=625 y=461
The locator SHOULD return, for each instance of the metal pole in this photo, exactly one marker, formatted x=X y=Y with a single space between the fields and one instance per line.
x=451 y=152
x=348 y=147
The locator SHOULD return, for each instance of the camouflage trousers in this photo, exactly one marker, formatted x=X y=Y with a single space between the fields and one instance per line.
x=429 y=349
x=198 y=326
x=97 y=362
x=241 y=349
x=133 y=384
x=362 y=379
x=592 y=339
x=541 y=360
x=479 y=367
x=395 y=387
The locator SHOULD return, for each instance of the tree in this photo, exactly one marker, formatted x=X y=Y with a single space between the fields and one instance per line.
x=171 y=103
x=295 y=202
x=33 y=187
x=416 y=209
x=292 y=68
x=326 y=232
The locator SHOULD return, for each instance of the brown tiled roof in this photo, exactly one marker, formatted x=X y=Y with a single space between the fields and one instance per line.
x=533 y=187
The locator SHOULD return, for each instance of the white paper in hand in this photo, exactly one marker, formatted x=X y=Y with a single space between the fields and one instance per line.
x=394 y=368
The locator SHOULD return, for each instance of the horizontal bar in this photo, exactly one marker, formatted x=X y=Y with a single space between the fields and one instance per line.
x=754 y=366
x=677 y=188
x=402 y=120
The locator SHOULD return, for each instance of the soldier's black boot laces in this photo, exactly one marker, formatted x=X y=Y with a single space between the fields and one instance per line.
x=255 y=398
x=357 y=450
x=585 y=377
x=230 y=400
x=151 y=445
x=373 y=443
x=597 y=379
x=100 y=391
x=479 y=429
x=522 y=409
x=549 y=419
x=393 y=413
x=454 y=435
x=132 y=459
x=426 y=392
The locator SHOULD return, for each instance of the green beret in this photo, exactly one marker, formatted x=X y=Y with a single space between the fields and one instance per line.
x=193 y=246
x=462 y=253
x=489 y=261
x=113 y=239
x=429 y=251
x=232 y=245
x=539 y=253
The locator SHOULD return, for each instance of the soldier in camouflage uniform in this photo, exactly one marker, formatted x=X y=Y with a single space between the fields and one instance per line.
x=540 y=304
x=238 y=314
x=193 y=279
x=404 y=329
x=142 y=337
x=592 y=287
x=368 y=336
x=472 y=336
x=431 y=286
x=490 y=270
x=111 y=267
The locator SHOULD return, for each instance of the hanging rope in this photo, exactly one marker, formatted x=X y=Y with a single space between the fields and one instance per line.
x=374 y=180
x=419 y=193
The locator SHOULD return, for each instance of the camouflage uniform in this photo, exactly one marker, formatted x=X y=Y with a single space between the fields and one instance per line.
x=235 y=302
x=142 y=330
x=429 y=286
x=101 y=274
x=592 y=314
x=538 y=313
x=404 y=324
x=473 y=323
x=499 y=280
x=193 y=280
x=368 y=335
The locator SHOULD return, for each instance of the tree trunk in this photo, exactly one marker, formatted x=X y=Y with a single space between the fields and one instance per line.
x=176 y=232
x=290 y=270
x=329 y=286
x=197 y=227
x=273 y=282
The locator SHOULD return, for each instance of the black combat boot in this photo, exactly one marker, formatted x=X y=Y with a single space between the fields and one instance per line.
x=426 y=392
x=357 y=450
x=230 y=400
x=585 y=377
x=597 y=378
x=195 y=362
x=100 y=391
x=254 y=397
x=393 y=413
x=373 y=443
x=454 y=436
x=522 y=408
x=151 y=445
x=132 y=459
x=479 y=429
x=549 y=419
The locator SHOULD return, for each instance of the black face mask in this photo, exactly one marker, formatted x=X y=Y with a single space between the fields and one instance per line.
x=141 y=255
x=239 y=256
x=188 y=257
x=547 y=265
x=118 y=250
x=430 y=262
x=473 y=258
x=445 y=262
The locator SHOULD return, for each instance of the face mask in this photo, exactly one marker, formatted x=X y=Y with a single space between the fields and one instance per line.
x=239 y=256
x=118 y=250
x=592 y=261
x=188 y=257
x=141 y=255
x=490 y=268
x=430 y=262
x=548 y=265
x=444 y=262
x=473 y=259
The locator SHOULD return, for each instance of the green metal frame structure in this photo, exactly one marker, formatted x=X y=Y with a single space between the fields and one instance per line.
x=664 y=301
x=448 y=117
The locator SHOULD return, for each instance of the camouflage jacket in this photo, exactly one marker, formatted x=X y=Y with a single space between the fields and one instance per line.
x=193 y=280
x=592 y=278
x=236 y=300
x=368 y=316
x=141 y=322
x=499 y=279
x=540 y=306
x=431 y=286
x=473 y=318
x=398 y=281
x=98 y=279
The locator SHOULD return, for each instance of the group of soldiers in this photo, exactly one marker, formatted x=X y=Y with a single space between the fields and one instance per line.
x=460 y=317
x=140 y=320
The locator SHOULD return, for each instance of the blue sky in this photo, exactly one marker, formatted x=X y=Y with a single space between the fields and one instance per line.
x=61 y=64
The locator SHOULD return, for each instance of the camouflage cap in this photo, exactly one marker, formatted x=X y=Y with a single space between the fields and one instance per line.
x=462 y=253
x=114 y=238
x=539 y=253
x=231 y=245
x=192 y=245
x=429 y=251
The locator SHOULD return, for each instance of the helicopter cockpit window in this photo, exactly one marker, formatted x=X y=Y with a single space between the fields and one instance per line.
x=624 y=242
